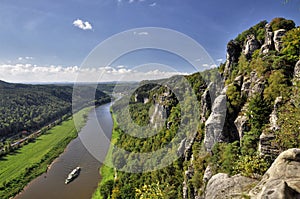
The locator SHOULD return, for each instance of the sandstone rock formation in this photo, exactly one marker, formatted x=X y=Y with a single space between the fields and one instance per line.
x=222 y=186
x=232 y=56
x=277 y=39
x=251 y=44
x=215 y=122
x=282 y=180
x=269 y=43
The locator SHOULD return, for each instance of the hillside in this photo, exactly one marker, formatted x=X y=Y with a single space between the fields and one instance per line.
x=215 y=134
x=29 y=107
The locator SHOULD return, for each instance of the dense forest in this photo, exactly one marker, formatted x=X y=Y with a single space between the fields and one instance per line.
x=261 y=94
x=26 y=107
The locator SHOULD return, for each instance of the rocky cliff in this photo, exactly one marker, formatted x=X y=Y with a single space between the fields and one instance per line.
x=238 y=118
x=235 y=127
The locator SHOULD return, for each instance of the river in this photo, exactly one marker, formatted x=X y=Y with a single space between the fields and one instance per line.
x=51 y=184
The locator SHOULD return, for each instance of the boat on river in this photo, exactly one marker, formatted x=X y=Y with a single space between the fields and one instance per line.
x=73 y=175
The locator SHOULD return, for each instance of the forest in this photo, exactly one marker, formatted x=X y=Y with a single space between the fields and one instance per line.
x=28 y=108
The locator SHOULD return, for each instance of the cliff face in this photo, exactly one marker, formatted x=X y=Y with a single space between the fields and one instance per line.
x=226 y=126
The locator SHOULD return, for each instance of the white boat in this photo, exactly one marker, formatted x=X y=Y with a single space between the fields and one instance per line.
x=72 y=175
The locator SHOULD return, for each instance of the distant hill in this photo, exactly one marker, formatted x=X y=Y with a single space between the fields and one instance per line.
x=30 y=107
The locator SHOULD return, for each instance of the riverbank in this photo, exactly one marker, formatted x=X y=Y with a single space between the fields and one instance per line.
x=33 y=159
x=106 y=172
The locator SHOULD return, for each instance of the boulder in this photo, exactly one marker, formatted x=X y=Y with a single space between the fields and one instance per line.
x=222 y=186
x=282 y=180
x=277 y=39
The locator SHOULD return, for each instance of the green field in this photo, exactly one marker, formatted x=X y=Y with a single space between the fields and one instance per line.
x=19 y=168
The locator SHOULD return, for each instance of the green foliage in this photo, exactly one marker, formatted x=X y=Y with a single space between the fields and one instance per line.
x=282 y=23
x=291 y=44
x=250 y=142
x=106 y=188
x=225 y=156
x=153 y=191
x=243 y=65
x=234 y=96
x=257 y=30
x=258 y=112
x=277 y=86
x=259 y=65
x=288 y=136
x=248 y=165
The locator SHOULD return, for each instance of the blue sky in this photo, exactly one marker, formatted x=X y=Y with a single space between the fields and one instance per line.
x=47 y=40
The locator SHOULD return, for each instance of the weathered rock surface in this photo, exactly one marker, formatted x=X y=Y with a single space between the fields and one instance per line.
x=215 y=123
x=269 y=43
x=277 y=39
x=222 y=186
x=297 y=71
x=274 y=115
x=208 y=173
x=242 y=125
x=282 y=180
x=265 y=146
x=205 y=105
x=251 y=44
x=232 y=56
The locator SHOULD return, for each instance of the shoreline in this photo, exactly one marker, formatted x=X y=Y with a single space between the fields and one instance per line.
x=107 y=173
x=18 y=184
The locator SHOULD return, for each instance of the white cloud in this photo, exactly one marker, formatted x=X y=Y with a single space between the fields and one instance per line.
x=25 y=58
x=153 y=4
x=33 y=73
x=121 y=66
x=219 y=60
x=205 y=65
x=130 y=1
x=84 y=25
x=140 y=33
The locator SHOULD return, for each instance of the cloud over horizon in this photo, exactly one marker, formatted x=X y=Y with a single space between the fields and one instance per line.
x=29 y=73
x=84 y=25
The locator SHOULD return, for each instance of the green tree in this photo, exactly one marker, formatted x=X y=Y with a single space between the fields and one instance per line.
x=282 y=23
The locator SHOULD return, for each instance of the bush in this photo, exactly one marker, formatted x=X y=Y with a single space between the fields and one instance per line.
x=250 y=165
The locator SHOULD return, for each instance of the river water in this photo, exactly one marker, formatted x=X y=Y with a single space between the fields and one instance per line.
x=51 y=185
